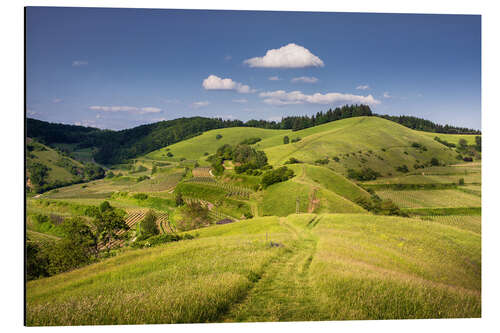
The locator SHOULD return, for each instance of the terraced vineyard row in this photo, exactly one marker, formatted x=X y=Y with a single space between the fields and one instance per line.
x=202 y=172
x=214 y=213
x=232 y=191
x=430 y=198
x=137 y=215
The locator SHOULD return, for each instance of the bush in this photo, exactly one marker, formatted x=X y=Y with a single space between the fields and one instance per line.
x=434 y=161
x=250 y=141
x=169 y=154
x=292 y=160
x=275 y=176
x=323 y=161
x=468 y=159
x=248 y=215
x=141 y=178
x=286 y=140
x=218 y=137
x=179 y=201
x=297 y=139
x=461 y=181
x=363 y=174
x=402 y=168
x=140 y=196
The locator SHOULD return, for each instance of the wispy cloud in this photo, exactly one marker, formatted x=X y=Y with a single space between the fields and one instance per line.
x=200 y=104
x=305 y=79
x=387 y=95
x=78 y=63
x=281 y=97
x=240 y=100
x=124 y=108
x=363 y=87
x=31 y=112
x=274 y=78
x=56 y=100
x=214 y=82
x=288 y=56
x=228 y=57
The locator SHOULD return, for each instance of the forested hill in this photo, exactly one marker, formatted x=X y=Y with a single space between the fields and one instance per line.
x=117 y=146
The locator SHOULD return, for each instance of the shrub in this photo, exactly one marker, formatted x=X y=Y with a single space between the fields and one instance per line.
x=250 y=141
x=248 y=215
x=141 y=178
x=140 y=196
x=292 y=160
x=275 y=176
x=402 y=168
x=363 y=174
x=297 y=139
x=461 y=181
x=169 y=154
x=336 y=159
x=323 y=161
x=218 y=137
x=434 y=161
x=286 y=140
x=468 y=159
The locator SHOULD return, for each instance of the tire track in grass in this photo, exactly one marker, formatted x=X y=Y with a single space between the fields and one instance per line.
x=283 y=293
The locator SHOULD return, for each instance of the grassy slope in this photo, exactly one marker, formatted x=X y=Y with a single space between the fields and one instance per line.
x=334 y=192
x=194 y=148
x=48 y=158
x=328 y=267
x=352 y=135
x=452 y=138
x=431 y=198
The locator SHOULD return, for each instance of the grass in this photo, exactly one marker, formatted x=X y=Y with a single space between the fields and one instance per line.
x=431 y=198
x=453 y=138
x=327 y=267
x=470 y=223
x=195 y=148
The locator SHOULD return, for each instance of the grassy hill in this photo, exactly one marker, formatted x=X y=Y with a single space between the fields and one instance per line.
x=359 y=142
x=47 y=168
x=325 y=267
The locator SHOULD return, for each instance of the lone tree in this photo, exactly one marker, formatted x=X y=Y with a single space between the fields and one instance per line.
x=108 y=224
x=148 y=224
x=179 y=201
x=286 y=139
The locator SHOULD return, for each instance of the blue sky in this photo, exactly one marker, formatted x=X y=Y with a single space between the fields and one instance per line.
x=119 y=68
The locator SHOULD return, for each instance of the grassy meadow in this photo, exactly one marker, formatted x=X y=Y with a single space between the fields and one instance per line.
x=340 y=258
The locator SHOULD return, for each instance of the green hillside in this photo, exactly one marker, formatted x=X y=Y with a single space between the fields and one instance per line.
x=195 y=148
x=46 y=168
x=361 y=142
x=325 y=267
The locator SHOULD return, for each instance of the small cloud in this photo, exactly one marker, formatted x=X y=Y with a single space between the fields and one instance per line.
x=305 y=79
x=420 y=95
x=363 y=87
x=200 y=104
x=124 y=108
x=288 y=56
x=98 y=116
x=386 y=95
x=78 y=63
x=274 y=78
x=56 y=100
x=281 y=97
x=31 y=112
x=240 y=100
x=228 y=57
x=214 y=82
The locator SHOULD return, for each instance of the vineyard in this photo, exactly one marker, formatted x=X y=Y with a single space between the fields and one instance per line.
x=232 y=191
x=214 y=213
x=431 y=198
x=135 y=216
x=470 y=223
x=202 y=172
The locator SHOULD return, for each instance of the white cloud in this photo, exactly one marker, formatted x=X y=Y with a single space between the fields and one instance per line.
x=124 y=108
x=56 y=100
x=31 y=112
x=363 y=87
x=200 y=104
x=274 y=78
x=305 y=79
x=214 y=82
x=228 y=57
x=281 y=97
x=78 y=63
x=240 y=100
x=386 y=95
x=289 y=56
